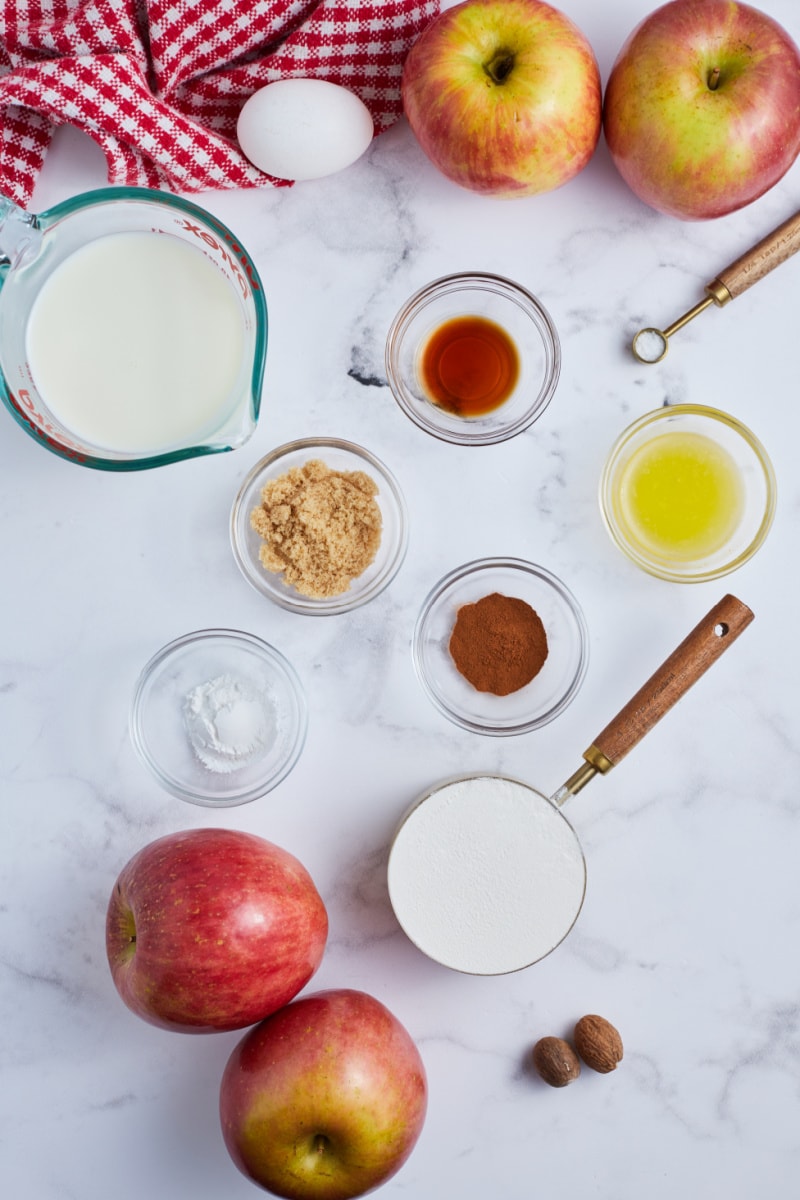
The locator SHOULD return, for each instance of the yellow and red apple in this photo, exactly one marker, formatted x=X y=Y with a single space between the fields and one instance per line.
x=702 y=107
x=324 y=1100
x=504 y=96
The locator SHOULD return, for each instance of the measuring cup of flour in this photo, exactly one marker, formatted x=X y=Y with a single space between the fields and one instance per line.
x=486 y=875
x=133 y=329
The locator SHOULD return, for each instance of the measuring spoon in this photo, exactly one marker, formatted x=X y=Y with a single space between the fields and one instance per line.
x=486 y=875
x=650 y=345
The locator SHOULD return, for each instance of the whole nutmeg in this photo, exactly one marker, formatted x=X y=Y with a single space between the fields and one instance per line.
x=556 y=1061
x=598 y=1043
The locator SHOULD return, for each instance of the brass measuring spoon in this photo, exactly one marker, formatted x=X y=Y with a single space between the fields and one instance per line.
x=650 y=344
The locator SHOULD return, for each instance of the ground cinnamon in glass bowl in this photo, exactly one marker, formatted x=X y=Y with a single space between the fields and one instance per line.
x=498 y=711
x=498 y=643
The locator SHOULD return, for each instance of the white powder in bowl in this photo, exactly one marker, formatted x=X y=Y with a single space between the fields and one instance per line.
x=486 y=875
x=229 y=721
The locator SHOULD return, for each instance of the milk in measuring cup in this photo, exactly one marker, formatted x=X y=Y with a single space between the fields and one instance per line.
x=136 y=342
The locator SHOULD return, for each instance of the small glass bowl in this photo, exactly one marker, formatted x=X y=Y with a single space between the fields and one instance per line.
x=339 y=456
x=548 y=693
x=163 y=739
x=506 y=304
x=743 y=470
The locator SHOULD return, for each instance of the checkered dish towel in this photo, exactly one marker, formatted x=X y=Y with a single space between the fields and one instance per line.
x=159 y=84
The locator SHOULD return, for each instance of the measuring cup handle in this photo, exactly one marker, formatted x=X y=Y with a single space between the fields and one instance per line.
x=710 y=638
x=20 y=234
x=764 y=257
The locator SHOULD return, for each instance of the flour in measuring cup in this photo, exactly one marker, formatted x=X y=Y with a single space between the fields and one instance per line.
x=486 y=876
x=229 y=722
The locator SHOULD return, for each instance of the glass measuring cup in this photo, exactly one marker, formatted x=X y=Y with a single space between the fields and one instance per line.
x=34 y=246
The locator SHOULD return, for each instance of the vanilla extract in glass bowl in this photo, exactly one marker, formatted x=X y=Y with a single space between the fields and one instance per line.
x=469 y=366
x=473 y=359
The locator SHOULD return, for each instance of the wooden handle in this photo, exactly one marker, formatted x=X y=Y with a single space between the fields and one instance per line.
x=764 y=257
x=696 y=653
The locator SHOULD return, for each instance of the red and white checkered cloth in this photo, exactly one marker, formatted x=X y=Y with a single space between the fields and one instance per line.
x=159 y=84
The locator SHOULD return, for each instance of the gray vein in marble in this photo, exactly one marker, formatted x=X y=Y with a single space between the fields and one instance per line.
x=376 y=627
x=51 y=980
x=113 y=1103
x=403 y=247
x=360 y=891
x=777 y=1029
x=602 y=955
x=361 y=369
x=656 y=1085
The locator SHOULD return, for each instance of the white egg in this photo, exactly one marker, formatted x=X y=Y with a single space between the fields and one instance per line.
x=303 y=128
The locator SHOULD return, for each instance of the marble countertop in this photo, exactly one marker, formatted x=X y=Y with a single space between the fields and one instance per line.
x=688 y=937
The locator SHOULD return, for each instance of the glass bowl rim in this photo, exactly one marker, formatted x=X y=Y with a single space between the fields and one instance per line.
x=571 y=605
x=267 y=652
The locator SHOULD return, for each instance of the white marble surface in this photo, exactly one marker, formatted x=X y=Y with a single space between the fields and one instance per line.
x=689 y=936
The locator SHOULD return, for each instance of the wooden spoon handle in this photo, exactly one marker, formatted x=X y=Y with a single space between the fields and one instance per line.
x=710 y=638
x=769 y=253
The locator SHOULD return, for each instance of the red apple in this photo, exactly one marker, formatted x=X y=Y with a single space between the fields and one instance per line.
x=504 y=96
x=325 y=1099
x=702 y=107
x=213 y=929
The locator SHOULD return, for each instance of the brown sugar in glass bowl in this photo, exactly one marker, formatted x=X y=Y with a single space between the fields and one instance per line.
x=498 y=643
x=320 y=528
x=342 y=457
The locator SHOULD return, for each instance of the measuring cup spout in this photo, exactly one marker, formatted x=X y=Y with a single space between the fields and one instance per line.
x=20 y=235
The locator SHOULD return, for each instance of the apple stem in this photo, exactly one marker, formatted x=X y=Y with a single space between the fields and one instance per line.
x=321 y=1144
x=713 y=79
x=500 y=67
